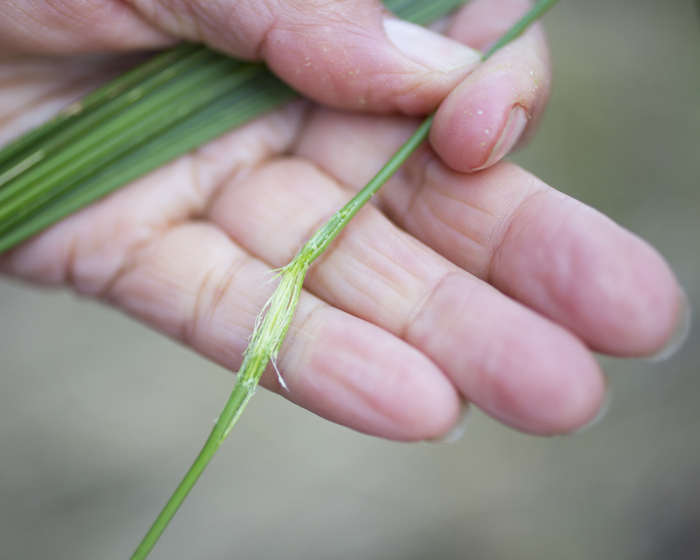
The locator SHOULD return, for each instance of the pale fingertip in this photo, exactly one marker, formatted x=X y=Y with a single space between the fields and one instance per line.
x=513 y=130
x=680 y=333
x=602 y=412
x=427 y=48
x=459 y=429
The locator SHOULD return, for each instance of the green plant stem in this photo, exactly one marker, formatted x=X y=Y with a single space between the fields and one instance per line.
x=278 y=312
x=270 y=331
x=535 y=13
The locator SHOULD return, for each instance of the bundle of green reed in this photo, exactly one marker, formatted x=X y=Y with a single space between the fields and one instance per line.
x=164 y=108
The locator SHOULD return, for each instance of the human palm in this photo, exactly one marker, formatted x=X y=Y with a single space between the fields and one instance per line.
x=488 y=287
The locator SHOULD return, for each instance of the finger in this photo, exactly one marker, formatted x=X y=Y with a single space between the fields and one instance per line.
x=559 y=257
x=515 y=365
x=498 y=106
x=73 y=26
x=353 y=55
x=554 y=254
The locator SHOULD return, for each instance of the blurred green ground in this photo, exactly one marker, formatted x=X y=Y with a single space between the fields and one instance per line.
x=99 y=417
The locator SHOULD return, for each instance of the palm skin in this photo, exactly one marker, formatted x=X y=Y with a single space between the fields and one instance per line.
x=488 y=287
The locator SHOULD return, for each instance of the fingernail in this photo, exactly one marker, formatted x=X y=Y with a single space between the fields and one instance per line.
x=459 y=429
x=680 y=334
x=515 y=125
x=428 y=48
x=602 y=411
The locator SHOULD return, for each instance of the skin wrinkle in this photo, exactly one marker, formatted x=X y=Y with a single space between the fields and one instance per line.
x=140 y=270
x=482 y=240
x=199 y=192
x=512 y=233
x=154 y=232
x=419 y=225
x=260 y=50
x=359 y=263
x=374 y=87
x=79 y=26
x=464 y=243
x=446 y=194
x=82 y=11
x=407 y=95
x=191 y=320
x=371 y=290
x=196 y=207
x=367 y=147
x=207 y=196
x=69 y=274
x=346 y=17
x=486 y=365
x=417 y=309
x=249 y=26
x=307 y=113
x=131 y=260
x=478 y=257
x=187 y=24
x=414 y=315
x=53 y=12
x=209 y=298
x=507 y=235
x=341 y=242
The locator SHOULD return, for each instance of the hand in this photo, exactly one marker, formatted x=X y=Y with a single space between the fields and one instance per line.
x=489 y=287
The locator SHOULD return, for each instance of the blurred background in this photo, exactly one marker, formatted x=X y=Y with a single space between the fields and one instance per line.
x=100 y=417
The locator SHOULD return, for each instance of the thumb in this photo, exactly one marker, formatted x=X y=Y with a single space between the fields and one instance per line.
x=350 y=54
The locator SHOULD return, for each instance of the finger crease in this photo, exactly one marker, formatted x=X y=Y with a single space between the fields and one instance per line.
x=205 y=305
x=498 y=244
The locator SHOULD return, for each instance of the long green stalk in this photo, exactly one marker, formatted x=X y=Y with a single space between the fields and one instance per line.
x=276 y=316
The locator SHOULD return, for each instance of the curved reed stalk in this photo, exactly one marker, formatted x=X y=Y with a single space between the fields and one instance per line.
x=276 y=316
